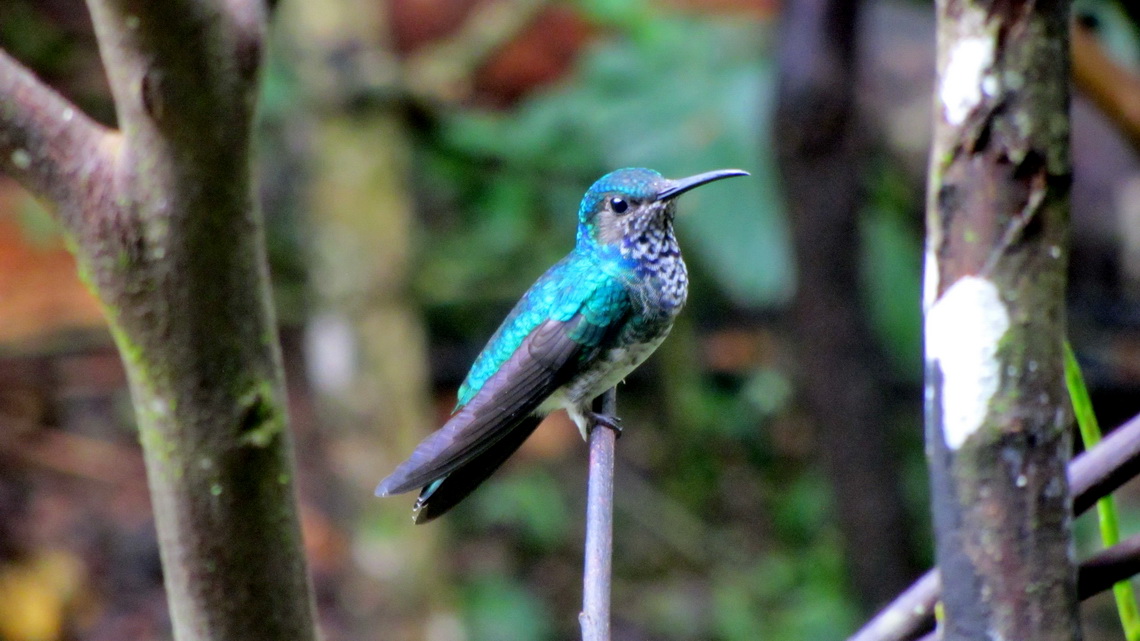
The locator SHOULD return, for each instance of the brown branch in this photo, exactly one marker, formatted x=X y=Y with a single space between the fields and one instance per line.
x=997 y=434
x=179 y=261
x=1110 y=85
x=1106 y=568
x=910 y=614
x=175 y=66
x=1097 y=573
x=49 y=145
x=1098 y=472
x=1092 y=475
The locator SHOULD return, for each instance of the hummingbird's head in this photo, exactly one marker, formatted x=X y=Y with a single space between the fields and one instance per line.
x=626 y=203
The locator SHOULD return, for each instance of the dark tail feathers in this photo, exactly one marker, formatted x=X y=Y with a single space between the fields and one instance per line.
x=440 y=496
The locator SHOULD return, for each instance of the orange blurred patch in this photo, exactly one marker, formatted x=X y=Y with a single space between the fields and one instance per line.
x=40 y=291
x=541 y=54
x=554 y=436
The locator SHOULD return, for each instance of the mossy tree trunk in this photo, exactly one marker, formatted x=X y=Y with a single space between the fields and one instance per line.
x=162 y=218
x=997 y=244
x=375 y=386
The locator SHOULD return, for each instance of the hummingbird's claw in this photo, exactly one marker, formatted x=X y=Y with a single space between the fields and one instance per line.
x=606 y=420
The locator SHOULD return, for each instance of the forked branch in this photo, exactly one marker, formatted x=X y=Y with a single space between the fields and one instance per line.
x=49 y=145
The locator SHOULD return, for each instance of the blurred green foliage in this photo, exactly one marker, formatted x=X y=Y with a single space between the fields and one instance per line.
x=892 y=267
x=499 y=190
x=30 y=36
x=501 y=610
x=535 y=493
x=40 y=227
x=680 y=96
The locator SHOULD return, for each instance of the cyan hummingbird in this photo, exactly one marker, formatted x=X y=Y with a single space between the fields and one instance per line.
x=589 y=321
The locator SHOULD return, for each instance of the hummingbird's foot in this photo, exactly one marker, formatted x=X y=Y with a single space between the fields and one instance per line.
x=606 y=420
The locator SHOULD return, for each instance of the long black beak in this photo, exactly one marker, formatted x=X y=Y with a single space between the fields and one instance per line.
x=677 y=187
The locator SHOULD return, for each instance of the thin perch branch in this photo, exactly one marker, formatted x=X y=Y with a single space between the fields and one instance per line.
x=595 y=615
x=49 y=145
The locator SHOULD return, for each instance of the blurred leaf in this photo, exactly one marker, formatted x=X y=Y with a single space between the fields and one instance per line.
x=34 y=595
x=498 y=609
x=533 y=502
x=29 y=35
x=804 y=508
x=785 y=595
x=892 y=278
x=630 y=15
x=768 y=391
x=676 y=609
x=279 y=87
x=39 y=226
x=694 y=96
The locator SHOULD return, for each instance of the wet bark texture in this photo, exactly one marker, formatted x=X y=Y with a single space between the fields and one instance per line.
x=162 y=218
x=844 y=371
x=997 y=223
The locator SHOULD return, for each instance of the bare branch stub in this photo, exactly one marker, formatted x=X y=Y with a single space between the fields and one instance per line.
x=52 y=147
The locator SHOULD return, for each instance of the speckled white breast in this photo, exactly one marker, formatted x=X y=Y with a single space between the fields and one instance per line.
x=607 y=372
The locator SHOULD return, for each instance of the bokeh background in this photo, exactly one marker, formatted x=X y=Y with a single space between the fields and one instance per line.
x=421 y=163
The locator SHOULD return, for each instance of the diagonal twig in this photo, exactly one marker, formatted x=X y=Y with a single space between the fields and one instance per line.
x=1099 y=572
x=1111 y=86
x=1092 y=475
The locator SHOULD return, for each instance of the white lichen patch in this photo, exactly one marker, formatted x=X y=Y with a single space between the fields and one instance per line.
x=967 y=77
x=963 y=331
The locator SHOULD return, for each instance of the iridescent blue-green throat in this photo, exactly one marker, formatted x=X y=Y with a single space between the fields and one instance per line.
x=585 y=324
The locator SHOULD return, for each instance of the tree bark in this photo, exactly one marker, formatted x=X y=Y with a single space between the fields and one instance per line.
x=166 y=230
x=1093 y=475
x=997 y=243
x=844 y=371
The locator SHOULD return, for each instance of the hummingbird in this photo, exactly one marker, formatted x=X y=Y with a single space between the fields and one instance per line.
x=580 y=329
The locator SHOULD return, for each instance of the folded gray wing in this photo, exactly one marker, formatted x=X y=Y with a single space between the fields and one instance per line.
x=440 y=496
x=546 y=359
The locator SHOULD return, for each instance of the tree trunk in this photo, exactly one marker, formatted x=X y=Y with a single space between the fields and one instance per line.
x=844 y=372
x=162 y=218
x=367 y=345
x=997 y=243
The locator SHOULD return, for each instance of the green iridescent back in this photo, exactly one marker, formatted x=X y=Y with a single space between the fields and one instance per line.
x=574 y=284
x=588 y=280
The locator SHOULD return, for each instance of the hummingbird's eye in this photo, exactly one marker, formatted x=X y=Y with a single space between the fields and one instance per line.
x=618 y=205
